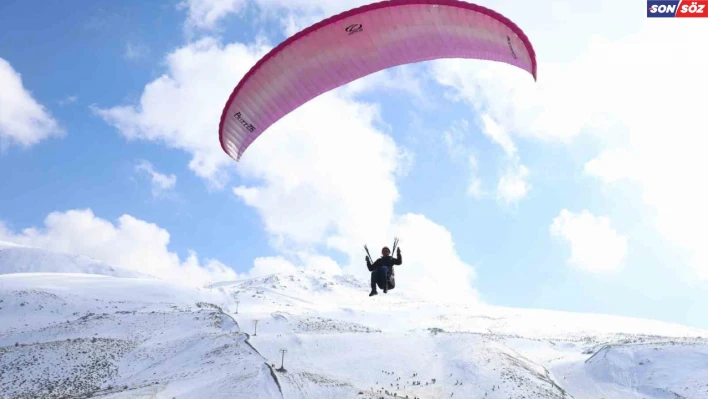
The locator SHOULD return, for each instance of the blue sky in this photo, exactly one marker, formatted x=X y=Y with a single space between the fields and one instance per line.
x=97 y=80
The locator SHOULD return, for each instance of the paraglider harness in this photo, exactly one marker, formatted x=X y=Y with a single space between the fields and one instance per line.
x=391 y=277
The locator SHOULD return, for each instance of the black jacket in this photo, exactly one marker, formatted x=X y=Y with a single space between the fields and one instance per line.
x=384 y=261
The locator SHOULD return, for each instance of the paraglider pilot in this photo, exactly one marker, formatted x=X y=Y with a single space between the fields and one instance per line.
x=382 y=268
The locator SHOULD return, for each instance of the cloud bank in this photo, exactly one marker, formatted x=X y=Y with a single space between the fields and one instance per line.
x=23 y=121
x=131 y=244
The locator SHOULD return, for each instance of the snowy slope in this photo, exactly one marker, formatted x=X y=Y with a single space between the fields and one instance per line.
x=64 y=335
x=87 y=335
x=21 y=259
x=342 y=343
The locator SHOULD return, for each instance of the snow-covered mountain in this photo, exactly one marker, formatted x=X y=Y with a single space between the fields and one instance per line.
x=21 y=259
x=81 y=335
x=341 y=342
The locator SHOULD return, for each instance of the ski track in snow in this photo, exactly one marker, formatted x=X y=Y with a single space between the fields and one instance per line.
x=104 y=334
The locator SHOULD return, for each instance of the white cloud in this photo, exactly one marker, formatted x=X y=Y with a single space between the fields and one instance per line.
x=513 y=185
x=327 y=161
x=621 y=88
x=539 y=110
x=324 y=175
x=135 y=51
x=270 y=265
x=404 y=78
x=498 y=134
x=182 y=108
x=132 y=244
x=575 y=73
x=321 y=263
x=293 y=23
x=68 y=100
x=663 y=132
x=326 y=8
x=309 y=193
x=613 y=165
x=454 y=138
x=563 y=104
x=205 y=14
x=431 y=267
x=474 y=189
x=161 y=183
x=595 y=246
x=671 y=175
x=207 y=71
x=23 y=120
x=266 y=266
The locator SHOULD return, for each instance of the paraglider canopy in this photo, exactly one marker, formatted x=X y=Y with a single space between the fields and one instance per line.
x=359 y=42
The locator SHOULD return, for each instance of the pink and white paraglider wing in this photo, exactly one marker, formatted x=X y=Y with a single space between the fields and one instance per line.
x=360 y=42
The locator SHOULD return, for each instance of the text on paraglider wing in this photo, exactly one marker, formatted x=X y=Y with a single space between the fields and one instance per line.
x=677 y=9
x=513 y=53
x=243 y=122
x=354 y=28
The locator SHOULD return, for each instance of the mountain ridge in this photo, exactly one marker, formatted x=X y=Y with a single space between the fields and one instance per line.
x=16 y=258
x=101 y=336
